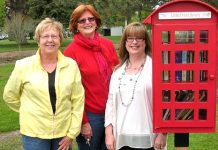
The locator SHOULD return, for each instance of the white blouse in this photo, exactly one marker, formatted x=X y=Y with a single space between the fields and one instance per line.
x=132 y=124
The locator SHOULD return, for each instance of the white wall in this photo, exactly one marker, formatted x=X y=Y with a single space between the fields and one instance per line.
x=116 y=31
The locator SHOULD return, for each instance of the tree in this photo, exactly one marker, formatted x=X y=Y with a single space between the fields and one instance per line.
x=15 y=6
x=2 y=13
x=57 y=9
x=213 y=3
x=16 y=11
x=18 y=26
x=120 y=12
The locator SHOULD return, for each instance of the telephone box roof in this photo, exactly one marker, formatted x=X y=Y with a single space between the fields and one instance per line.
x=149 y=18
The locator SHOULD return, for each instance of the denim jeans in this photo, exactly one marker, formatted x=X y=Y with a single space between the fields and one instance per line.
x=33 y=143
x=98 y=134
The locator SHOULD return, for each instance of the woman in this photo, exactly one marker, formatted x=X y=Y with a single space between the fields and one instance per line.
x=128 y=117
x=96 y=57
x=47 y=92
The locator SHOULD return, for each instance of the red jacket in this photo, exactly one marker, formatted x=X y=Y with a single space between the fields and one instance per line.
x=96 y=89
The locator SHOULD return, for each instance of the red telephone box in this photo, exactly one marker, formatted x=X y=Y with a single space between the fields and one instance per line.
x=184 y=43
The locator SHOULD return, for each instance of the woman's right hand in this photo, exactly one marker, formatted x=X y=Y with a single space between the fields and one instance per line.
x=109 y=138
x=86 y=131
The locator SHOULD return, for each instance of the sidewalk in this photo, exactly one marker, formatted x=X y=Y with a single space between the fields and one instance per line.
x=10 y=141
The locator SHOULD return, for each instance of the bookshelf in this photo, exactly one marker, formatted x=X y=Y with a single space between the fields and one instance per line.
x=185 y=68
x=184 y=79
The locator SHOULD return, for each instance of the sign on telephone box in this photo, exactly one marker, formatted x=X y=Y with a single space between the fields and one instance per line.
x=184 y=54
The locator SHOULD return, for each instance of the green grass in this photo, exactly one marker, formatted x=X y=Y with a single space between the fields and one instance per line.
x=9 y=119
x=8 y=46
x=115 y=39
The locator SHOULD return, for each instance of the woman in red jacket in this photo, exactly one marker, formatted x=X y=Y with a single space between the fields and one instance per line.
x=96 y=58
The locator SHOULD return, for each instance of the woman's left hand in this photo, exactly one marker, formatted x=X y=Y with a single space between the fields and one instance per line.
x=65 y=143
x=160 y=141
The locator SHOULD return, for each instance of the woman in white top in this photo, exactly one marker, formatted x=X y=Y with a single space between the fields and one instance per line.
x=128 y=116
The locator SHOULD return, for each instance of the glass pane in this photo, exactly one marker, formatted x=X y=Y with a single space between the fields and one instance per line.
x=184 y=37
x=166 y=114
x=203 y=56
x=166 y=95
x=202 y=114
x=165 y=37
x=184 y=96
x=184 y=76
x=165 y=57
x=184 y=114
x=184 y=57
x=165 y=76
x=203 y=75
x=203 y=95
x=203 y=36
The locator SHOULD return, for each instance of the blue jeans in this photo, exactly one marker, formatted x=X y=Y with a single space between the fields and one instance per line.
x=98 y=134
x=33 y=143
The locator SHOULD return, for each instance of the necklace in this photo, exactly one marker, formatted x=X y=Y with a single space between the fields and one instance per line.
x=134 y=86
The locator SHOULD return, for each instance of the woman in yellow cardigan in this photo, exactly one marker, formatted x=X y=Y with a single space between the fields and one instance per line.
x=47 y=92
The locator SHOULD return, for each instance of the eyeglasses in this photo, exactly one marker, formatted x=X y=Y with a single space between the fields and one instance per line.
x=82 y=21
x=131 y=39
x=46 y=37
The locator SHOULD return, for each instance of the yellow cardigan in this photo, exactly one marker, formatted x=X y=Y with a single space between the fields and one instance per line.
x=27 y=92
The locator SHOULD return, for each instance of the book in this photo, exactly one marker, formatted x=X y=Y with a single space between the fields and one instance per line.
x=191 y=76
x=188 y=113
x=184 y=77
x=165 y=57
x=184 y=57
x=203 y=56
x=184 y=114
x=180 y=113
x=178 y=60
x=191 y=56
x=178 y=57
x=165 y=76
x=166 y=96
x=166 y=114
x=202 y=95
x=184 y=96
x=203 y=75
x=188 y=76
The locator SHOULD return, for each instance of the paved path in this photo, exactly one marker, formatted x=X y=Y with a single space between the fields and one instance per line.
x=7 y=57
x=9 y=134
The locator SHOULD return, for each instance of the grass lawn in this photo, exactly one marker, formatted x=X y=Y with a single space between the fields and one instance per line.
x=8 y=46
x=9 y=119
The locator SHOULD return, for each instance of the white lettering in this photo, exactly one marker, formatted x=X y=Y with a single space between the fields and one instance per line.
x=185 y=15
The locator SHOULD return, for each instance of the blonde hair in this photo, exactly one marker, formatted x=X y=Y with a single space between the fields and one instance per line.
x=78 y=12
x=48 y=23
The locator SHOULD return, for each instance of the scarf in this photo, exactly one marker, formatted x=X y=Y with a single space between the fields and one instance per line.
x=101 y=54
